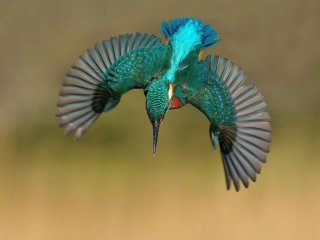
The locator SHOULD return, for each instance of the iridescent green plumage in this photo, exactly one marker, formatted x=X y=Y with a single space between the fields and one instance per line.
x=239 y=123
x=96 y=81
x=171 y=76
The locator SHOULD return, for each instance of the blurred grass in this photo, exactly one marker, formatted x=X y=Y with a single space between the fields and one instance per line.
x=108 y=186
x=54 y=188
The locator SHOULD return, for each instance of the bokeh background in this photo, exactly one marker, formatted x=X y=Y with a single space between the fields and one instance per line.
x=108 y=186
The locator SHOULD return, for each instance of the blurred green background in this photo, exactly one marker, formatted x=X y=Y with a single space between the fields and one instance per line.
x=107 y=186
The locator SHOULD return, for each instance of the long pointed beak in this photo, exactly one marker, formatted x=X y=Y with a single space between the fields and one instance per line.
x=155 y=126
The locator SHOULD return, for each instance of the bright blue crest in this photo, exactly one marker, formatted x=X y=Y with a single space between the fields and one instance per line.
x=209 y=36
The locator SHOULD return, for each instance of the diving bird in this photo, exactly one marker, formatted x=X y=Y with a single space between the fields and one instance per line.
x=172 y=73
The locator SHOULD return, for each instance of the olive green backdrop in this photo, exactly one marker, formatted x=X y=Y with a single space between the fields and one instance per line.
x=108 y=186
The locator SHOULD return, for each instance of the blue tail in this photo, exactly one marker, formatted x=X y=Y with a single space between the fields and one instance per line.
x=209 y=35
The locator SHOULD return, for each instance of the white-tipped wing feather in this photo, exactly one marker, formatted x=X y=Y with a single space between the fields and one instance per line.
x=246 y=137
x=94 y=84
x=238 y=117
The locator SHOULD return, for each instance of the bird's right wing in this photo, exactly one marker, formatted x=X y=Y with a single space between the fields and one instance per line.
x=98 y=78
x=240 y=124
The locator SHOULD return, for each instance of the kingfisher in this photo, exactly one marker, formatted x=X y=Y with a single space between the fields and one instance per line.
x=172 y=73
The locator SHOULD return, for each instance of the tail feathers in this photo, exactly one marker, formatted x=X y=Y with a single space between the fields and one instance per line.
x=245 y=139
x=209 y=36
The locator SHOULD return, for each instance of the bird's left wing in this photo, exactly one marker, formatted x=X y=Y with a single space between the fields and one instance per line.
x=98 y=78
x=239 y=122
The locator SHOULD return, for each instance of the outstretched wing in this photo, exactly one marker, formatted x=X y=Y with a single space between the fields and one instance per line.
x=98 y=78
x=240 y=124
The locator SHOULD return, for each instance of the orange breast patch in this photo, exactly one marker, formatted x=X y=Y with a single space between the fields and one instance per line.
x=176 y=103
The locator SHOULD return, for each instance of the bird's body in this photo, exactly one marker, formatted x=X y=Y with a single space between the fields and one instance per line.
x=172 y=75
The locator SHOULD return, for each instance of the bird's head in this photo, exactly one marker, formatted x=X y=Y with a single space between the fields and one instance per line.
x=158 y=102
x=186 y=37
